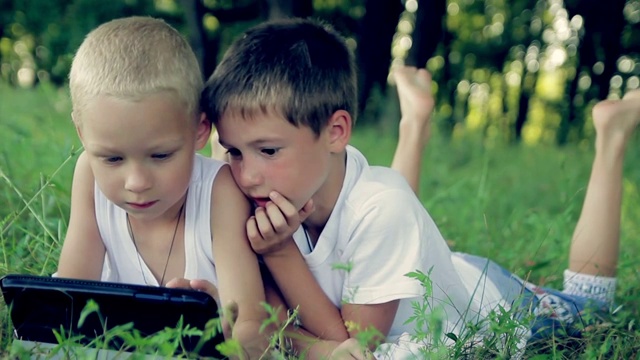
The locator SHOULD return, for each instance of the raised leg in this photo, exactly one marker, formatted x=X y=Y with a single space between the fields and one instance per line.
x=596 y=239
x=416 y=106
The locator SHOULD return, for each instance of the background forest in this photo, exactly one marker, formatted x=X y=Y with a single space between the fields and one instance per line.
x=517 y=70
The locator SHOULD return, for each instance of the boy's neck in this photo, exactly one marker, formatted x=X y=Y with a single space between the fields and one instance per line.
x=326 y=197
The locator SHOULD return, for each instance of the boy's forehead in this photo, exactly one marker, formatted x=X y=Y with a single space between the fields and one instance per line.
x=158 y=102
x=103 y=108
x=255 y=127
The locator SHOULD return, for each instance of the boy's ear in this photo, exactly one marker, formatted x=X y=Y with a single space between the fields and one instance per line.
x=339 y=130
x=203 y=131
x=78 y=128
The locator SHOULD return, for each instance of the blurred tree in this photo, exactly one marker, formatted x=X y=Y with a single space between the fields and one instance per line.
x=43 y=35
x=508 y=69
x=207 y=23
x=279 y=9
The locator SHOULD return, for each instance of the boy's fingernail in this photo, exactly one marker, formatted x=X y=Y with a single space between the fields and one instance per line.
x=273 y=194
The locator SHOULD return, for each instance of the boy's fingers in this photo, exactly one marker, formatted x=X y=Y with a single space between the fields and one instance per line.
x=264 y=224
x=306 y=210
x=179 y=283
x=205 y=286
x=277 y=219
x=285 y=206
x=252 y=231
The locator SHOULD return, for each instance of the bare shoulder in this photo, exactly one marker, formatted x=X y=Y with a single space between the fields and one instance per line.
x=83 y=182
x=82 y=165
x=226 y=194
x=83 y=236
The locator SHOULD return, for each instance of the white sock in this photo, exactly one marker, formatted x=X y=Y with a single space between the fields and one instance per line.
x=590 y=286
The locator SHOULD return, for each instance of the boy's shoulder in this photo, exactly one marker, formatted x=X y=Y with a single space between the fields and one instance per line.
x=371 y=186
x=366 y=177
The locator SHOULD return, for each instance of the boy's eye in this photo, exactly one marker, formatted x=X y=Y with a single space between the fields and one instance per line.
x=161 y=156
x=270 y=151
x=233 y=152
x=112 y=159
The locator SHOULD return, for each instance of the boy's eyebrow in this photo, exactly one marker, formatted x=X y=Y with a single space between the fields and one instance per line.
x=105 y=148
x=256 y=142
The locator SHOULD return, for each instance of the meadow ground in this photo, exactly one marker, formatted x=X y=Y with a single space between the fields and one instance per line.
x=514 y=204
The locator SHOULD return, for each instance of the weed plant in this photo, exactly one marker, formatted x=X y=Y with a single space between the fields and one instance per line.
x=515 y=204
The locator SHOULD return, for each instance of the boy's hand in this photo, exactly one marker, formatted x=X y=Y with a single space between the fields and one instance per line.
x=351 y=349
x=270 y=230
x=195 y=284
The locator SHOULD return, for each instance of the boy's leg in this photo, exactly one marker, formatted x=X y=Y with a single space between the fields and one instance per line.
x=595 y=243
x=416 y=106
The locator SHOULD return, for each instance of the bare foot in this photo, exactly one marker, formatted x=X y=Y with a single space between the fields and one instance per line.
x=617 y=118
x=217 y=151
x=416 y=103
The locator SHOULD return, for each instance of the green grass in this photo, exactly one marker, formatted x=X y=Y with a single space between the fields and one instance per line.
x=517 y=205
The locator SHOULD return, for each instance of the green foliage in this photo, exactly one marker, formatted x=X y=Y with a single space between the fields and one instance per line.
x=514 y=204
x=40 y=37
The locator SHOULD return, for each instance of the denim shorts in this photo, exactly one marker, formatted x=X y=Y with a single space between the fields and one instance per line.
x=547 y=311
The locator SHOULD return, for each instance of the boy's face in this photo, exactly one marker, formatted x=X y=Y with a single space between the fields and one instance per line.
x=267 y=153
x=142 y=152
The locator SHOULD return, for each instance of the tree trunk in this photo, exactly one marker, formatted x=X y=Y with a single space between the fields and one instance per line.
x=603 y=25
x=194 y=12
x=374 y=46
x=428 y=31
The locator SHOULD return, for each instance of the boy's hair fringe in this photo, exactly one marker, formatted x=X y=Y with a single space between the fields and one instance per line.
x=299 y=69
x=134 y=57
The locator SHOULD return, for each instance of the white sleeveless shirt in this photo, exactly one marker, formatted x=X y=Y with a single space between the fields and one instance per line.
x=121 y=262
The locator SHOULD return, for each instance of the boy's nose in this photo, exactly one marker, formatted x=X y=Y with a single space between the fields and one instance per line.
x=249 y=176
x=138 y=180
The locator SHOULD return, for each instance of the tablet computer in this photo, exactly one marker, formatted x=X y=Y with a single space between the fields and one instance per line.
x=40 y=305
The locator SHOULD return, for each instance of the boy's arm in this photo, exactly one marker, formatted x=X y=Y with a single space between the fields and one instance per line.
x=239 y=280
x=316 y=311
x=300 y=289
x=270 y=233
x=83 y=251
x=308 y=345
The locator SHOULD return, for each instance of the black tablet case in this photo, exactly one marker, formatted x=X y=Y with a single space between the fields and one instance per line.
x=40 y=304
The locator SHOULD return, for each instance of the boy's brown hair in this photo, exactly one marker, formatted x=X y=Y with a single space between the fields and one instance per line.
x=300 y=69
x=131 y=58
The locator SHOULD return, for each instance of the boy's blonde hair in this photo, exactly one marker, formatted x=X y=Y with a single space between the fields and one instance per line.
x=300 y=69
x=131 y=58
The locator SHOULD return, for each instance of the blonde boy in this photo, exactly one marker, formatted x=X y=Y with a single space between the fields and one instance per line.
x=146 y=209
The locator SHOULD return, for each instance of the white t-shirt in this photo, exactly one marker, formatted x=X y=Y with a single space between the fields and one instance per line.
x=121 y=259
x=378 y=232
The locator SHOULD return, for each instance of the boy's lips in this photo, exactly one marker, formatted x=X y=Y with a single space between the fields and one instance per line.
x=260 y=202
x=144 y=205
